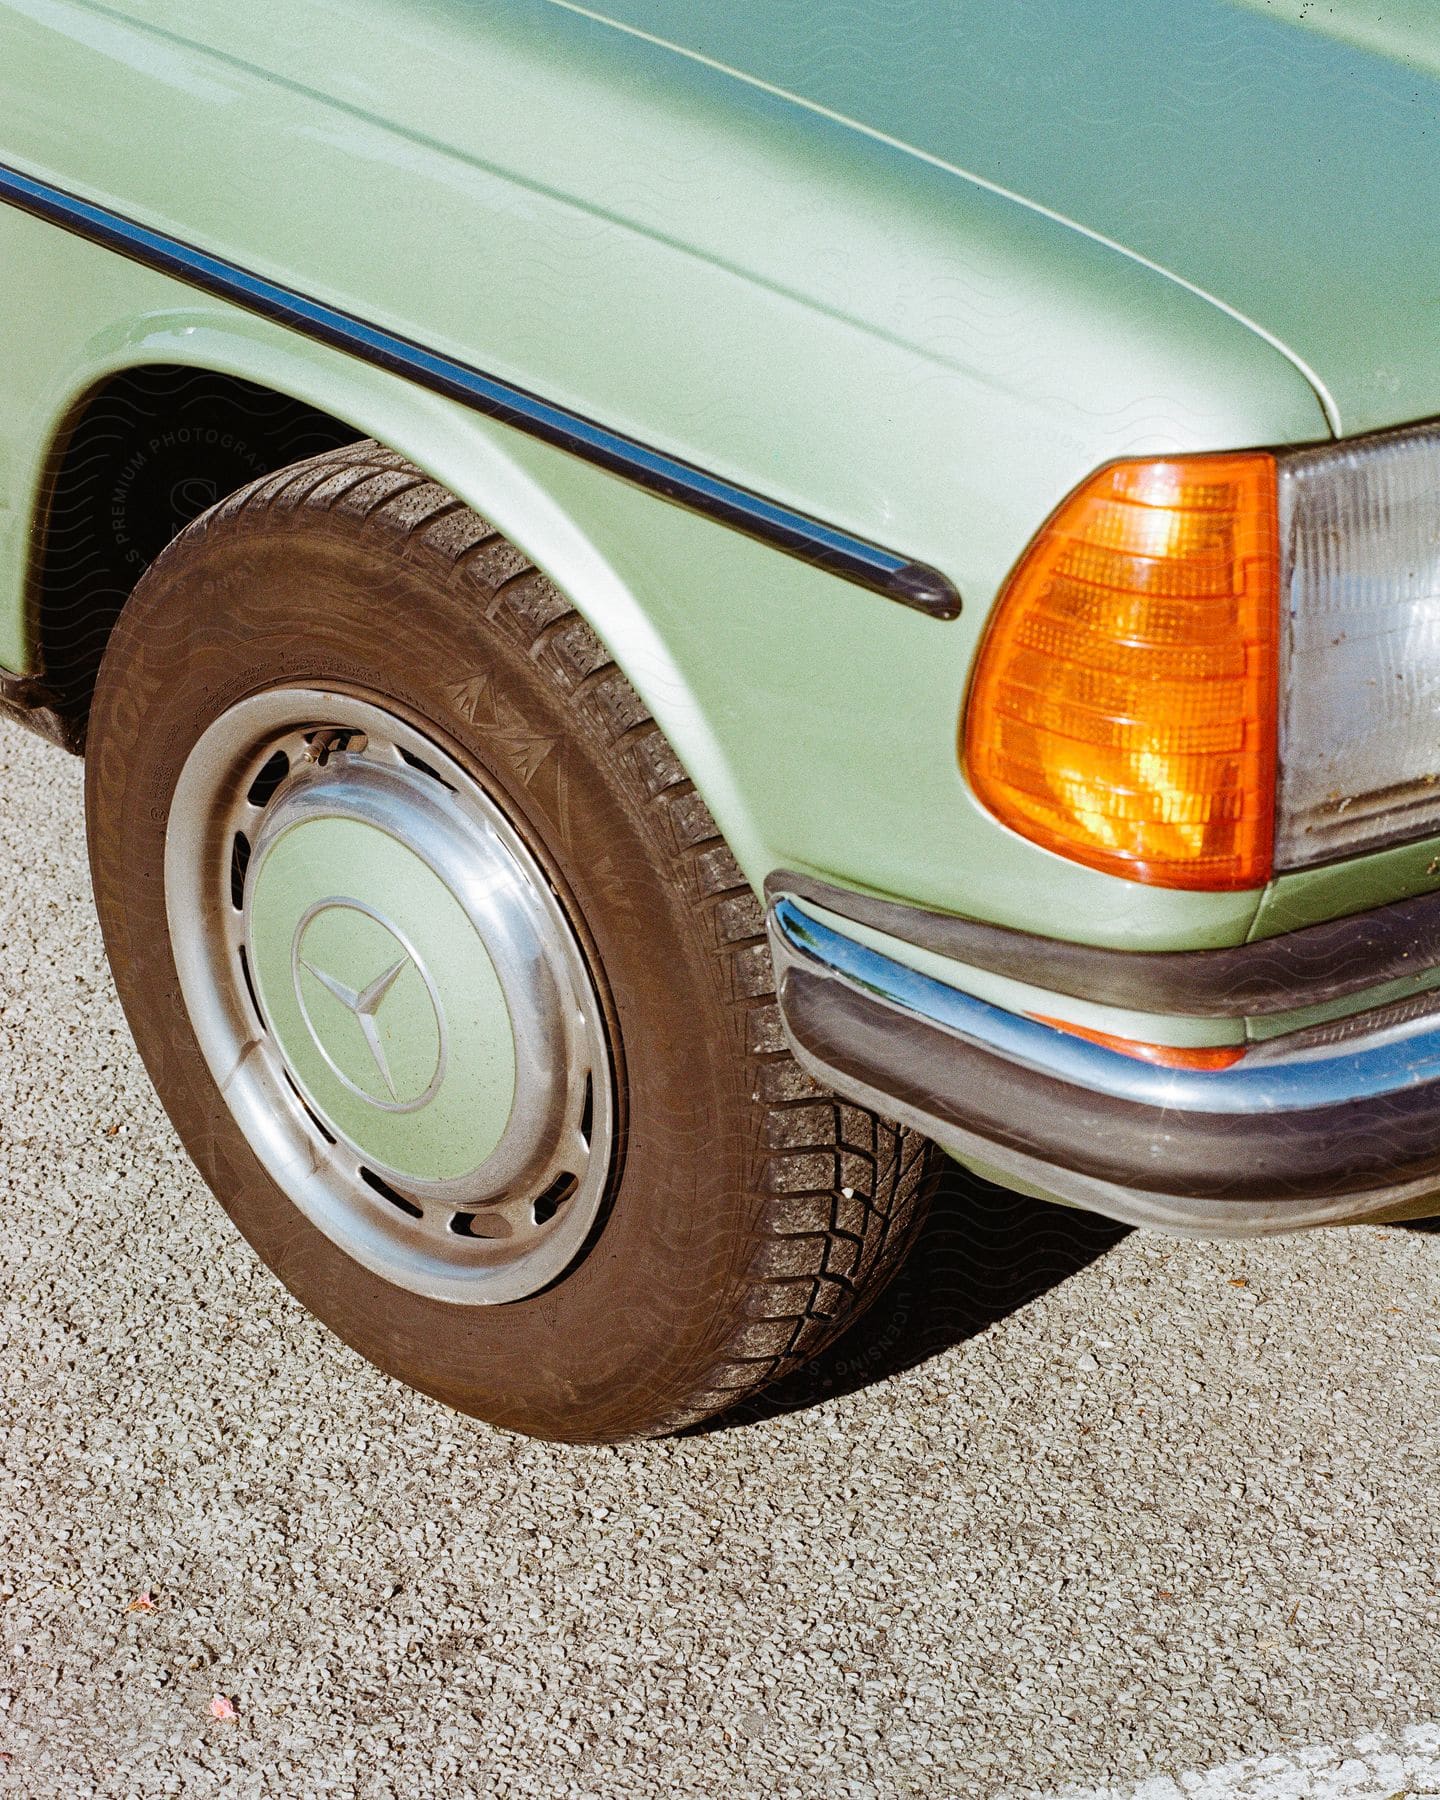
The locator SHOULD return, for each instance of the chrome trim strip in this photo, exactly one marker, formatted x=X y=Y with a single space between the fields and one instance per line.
x=1404 y=1056
x=836 y=551
x=1181 y=1214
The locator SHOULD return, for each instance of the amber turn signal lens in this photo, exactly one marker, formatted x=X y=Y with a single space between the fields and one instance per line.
x=1168 y=1056
x=1123 y=708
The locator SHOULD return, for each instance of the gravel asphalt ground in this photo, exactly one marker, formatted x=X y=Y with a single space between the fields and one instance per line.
x=1075 y=1509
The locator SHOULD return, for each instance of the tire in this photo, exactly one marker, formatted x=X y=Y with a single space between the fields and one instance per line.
x=747 y=1216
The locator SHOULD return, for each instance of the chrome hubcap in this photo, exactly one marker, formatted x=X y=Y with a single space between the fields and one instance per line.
x=390 y=996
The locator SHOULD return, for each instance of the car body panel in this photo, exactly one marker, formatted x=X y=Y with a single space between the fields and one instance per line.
x=1281 y=158
x=918 y=293
x=736 y=280
x=767 y=723
x=727 y=276
x=1333 y=889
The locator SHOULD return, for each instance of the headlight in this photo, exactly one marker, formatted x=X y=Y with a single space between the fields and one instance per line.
x=1360 y=693
x=1207 y=668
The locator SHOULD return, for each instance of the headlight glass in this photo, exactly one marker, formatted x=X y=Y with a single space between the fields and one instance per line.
x=1360 y=628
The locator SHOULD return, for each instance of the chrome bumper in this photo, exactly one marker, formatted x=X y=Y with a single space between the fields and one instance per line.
x=1326 y=1135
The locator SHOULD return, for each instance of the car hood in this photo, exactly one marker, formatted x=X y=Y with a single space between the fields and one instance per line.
x=1285 y=164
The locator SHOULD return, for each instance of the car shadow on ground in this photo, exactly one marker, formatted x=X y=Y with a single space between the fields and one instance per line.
x=983 y=1253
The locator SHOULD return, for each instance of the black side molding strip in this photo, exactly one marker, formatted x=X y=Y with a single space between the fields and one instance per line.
x=1308 y=967
x=828 y=547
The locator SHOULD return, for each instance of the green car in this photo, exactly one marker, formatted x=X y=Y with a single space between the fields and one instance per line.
x=667 y=605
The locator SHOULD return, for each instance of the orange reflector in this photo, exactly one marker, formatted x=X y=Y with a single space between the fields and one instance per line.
x=1169 y=1056
x=1123 y=707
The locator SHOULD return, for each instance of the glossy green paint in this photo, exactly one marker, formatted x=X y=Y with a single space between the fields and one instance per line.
x=1399 y=873
x=1282 y=156
x=337 y=902
x=805 y=307
x=1402 y=30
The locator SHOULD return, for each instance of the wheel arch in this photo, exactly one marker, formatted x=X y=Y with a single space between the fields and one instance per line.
x=548 y=503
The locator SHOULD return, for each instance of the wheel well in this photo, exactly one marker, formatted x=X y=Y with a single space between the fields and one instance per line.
x=146 y=453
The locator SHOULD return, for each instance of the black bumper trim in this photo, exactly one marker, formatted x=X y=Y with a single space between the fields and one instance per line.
x=1309 y=967
x=1352 y=1148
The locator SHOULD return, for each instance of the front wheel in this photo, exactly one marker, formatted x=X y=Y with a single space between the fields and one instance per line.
x=448 y=982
